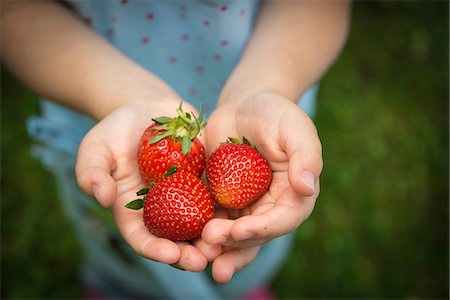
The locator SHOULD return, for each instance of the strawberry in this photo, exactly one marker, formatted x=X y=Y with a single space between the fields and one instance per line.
x=177 y=207
x=237 y=174
x=171 y=142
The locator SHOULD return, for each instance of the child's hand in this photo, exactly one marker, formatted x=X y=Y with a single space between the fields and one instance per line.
x=286 y=136
x=107 y=169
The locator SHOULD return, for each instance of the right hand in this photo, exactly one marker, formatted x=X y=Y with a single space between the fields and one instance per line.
x=107 y=169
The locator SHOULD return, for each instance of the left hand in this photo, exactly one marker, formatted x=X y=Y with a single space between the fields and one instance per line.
x=288 y=139
x=107 y=169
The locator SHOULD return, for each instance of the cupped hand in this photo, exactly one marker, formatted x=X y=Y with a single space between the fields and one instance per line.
x=107 y=169
x=288 y=139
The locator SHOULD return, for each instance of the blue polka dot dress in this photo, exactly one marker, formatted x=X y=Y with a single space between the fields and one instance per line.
x=193 y=46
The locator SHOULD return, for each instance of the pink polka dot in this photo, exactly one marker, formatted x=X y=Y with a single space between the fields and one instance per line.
x=173 y=60
x=110 y=32
x=183 y=8
x=150 y=16
x=206 y=22
x=123 y=1
x=224 y=42
x=87 y=21
x=185 y=37
x=242 y=12
x=217 y=57
x=200 y=69
x=192 y=91
x=223 y=8
x=145 y=40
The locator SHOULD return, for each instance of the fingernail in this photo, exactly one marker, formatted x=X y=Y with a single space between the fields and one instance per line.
x=246 y=236
x=95 y=190
x=176 y=266
x=309 y=178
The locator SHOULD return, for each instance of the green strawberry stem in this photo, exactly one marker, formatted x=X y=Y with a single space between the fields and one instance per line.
x=184 y=128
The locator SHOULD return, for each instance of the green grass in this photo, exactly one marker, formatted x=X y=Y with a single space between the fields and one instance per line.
x=380 y=227
x=39 y=252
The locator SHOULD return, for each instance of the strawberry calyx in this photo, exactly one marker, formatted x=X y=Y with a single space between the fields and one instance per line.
x=237 y=141
x=234 y=140
x=184 y=128
x=139 y=203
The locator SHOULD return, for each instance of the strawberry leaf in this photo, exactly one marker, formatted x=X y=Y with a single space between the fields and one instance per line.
x=185 y=124
x=162 y=120
x=245 y=141
x=135 y=204
x=203 y=125
x=196 y=125
x=184 y=116
x=162 y=127
x=143 y=191
x=172 y=170
x=186 y=146
x=161 y=136
x=234 y=140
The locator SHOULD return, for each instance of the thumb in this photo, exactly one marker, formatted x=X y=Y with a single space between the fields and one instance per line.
x=93 y=170
x=304 y=152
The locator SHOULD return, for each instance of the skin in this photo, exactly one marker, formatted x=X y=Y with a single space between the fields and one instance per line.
x=258 y=101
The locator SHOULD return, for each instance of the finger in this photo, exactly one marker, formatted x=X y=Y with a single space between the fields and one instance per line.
x=217 y=231
x=93 y=170
x=304 y=151
x=248 y=243
x=141 y=240
x=191 y=259
x=232 y=261
x=285 y=216
x=211 y=251
x=220 y=234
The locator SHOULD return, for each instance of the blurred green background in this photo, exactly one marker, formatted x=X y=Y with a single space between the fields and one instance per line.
x=380 y=228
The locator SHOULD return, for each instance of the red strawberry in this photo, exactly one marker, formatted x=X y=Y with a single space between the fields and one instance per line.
x=177 y=207
x=171 y=142
x=237 y=174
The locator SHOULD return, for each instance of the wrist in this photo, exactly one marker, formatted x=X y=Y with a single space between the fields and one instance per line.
x=137 y=93
x=238 y=89
x=240 y=94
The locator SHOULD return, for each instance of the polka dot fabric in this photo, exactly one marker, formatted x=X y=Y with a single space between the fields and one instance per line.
x=192 y=45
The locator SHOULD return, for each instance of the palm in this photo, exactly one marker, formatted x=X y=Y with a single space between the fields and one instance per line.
x=271 y=123
x=113 y=143
x=275 y=126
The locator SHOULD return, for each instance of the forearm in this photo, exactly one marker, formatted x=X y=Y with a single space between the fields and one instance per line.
x=294 y=43
x=48 y=48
